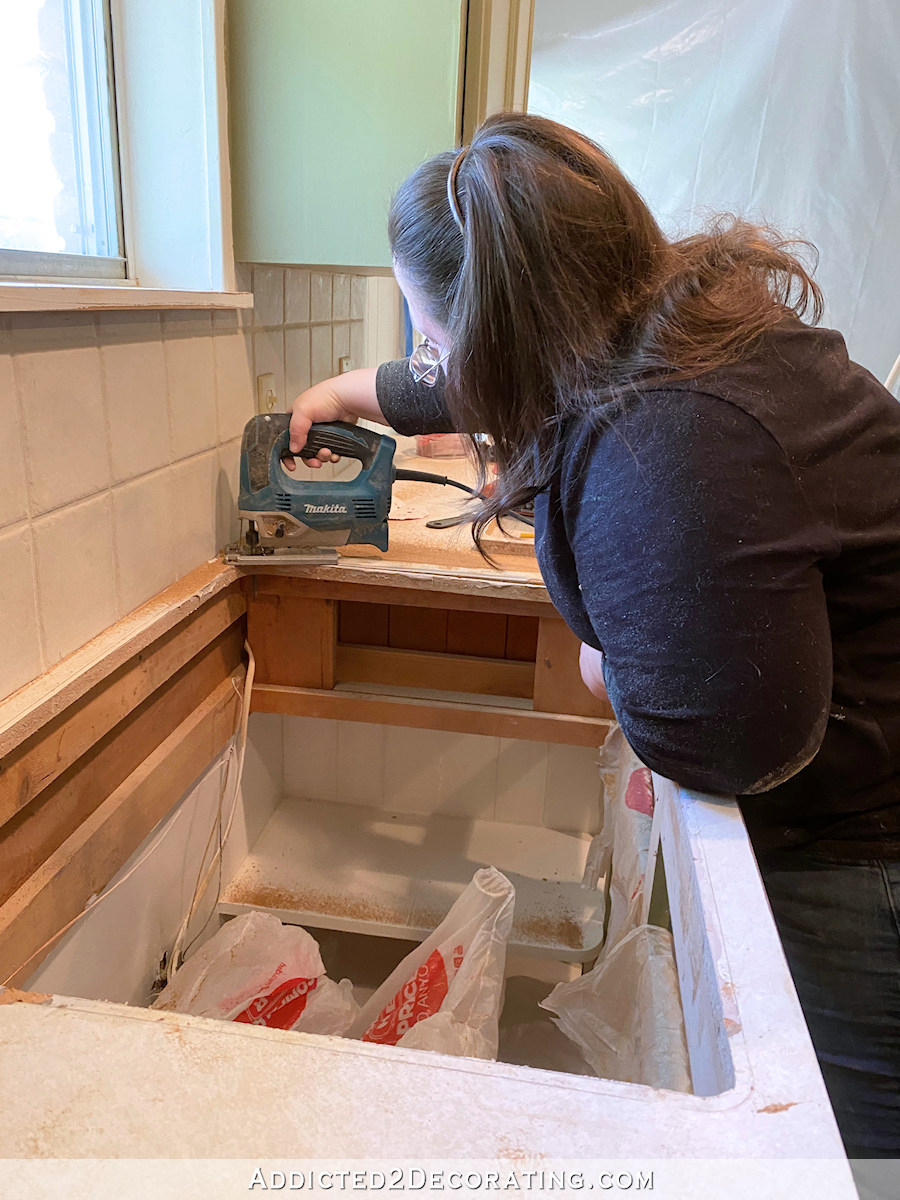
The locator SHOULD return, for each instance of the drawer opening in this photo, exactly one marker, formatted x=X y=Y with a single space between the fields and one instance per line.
x=365 y=835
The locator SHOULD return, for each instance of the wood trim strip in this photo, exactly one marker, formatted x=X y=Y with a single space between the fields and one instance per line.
x=427 y=591
x=41 y=759
x=422 y=669
x=40 y=828
x=86 y=862
x=25 y=711
x=455 y=716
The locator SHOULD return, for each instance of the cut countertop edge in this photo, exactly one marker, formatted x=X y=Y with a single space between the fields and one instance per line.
x=24 y=711
x=428 y=1059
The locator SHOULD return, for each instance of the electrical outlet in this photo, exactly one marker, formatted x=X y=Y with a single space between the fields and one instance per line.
x=345 y=364
x=266 y=398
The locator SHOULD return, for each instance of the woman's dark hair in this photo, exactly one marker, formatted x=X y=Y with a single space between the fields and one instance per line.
x=561 y=293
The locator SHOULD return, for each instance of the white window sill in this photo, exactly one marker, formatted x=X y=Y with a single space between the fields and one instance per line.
x=66 y=297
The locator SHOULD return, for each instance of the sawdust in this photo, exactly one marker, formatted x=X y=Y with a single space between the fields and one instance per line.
x=15 y=996
x=311 y=900
x=563 y=930
x=777 y=1108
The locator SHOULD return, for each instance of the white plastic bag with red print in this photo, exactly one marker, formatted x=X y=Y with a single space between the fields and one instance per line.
x=257 y=971
x=447 y=994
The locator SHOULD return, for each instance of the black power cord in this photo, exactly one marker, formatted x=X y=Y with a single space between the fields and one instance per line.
x=447 y=522
x=428 y=477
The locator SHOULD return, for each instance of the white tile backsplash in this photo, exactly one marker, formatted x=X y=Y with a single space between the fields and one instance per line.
x=358 y=285
x=75 y=575
x=321 y=353
x=144 y=413
x=193 y=484
x=134 y=381
x=320 y=296
x=190 y=377
x=146 y=524
x=268 y=296
x=340 y=344
x=297 y=377
x=340 y=298
x=20 y=660
x=235 y=386
x=296 y=296
x=268 y=357
x=66 y=441
x=227 y=486
x=14 y=491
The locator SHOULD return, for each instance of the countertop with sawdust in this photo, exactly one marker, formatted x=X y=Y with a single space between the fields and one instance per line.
x=412 y=542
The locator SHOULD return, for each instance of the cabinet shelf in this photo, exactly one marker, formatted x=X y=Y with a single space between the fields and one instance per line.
x=367 y=870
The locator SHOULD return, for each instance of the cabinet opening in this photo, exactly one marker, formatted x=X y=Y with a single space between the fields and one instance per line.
x=364 y=835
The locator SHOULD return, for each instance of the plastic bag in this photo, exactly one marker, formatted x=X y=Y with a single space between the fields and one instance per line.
x=446 y=995
x=257 y=971
x=625 y=1015
x=619 y=851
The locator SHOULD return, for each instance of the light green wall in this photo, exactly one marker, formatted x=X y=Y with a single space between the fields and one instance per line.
x=331 y=104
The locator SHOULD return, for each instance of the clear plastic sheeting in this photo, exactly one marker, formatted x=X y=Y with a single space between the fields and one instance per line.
x=625 y=1015
x=784 y=111
x=619 y=852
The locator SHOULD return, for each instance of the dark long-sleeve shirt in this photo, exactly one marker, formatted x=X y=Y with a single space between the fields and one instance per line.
x=732 y=545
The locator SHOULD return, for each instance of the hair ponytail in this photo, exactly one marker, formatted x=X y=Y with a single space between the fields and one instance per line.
x=559 y=292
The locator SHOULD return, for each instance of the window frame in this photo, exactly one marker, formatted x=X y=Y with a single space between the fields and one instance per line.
x=173 y=158
x=91 y=75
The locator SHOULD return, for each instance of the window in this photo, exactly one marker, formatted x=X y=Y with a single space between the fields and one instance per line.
x=60 y=211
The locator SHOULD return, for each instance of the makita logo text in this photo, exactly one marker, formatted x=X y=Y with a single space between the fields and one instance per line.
x=325 y=508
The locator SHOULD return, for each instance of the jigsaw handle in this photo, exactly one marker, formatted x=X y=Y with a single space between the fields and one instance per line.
x=340 y=437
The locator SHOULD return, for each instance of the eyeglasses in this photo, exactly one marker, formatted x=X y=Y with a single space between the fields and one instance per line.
x=425 y=361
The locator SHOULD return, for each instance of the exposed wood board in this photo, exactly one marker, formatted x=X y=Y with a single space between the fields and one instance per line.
x=521 y=638
x=366 y=870
x=43 y=698
x=293 y=638
x=457 y=717
x=482 y=634
x=39 y=829
x=413 y=628
x=86 y=862
x=419 y=669
x=43 y=757
x=363 y=624
x=403 y=588
x=558 y=686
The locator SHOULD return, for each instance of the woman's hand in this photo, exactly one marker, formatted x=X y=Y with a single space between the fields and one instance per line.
x=347 y=397
x=318 y=403
x=590 y=662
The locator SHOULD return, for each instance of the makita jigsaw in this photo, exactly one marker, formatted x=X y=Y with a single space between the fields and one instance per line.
x=301 y=519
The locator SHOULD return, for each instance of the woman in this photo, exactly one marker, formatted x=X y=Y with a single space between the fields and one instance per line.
x=717 y=508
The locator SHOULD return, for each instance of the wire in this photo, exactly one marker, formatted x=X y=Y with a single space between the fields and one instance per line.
x=428 y=477
x=178 y=949
x=241 y=735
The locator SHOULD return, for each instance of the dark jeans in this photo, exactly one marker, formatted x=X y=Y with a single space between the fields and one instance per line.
x=839 y=923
